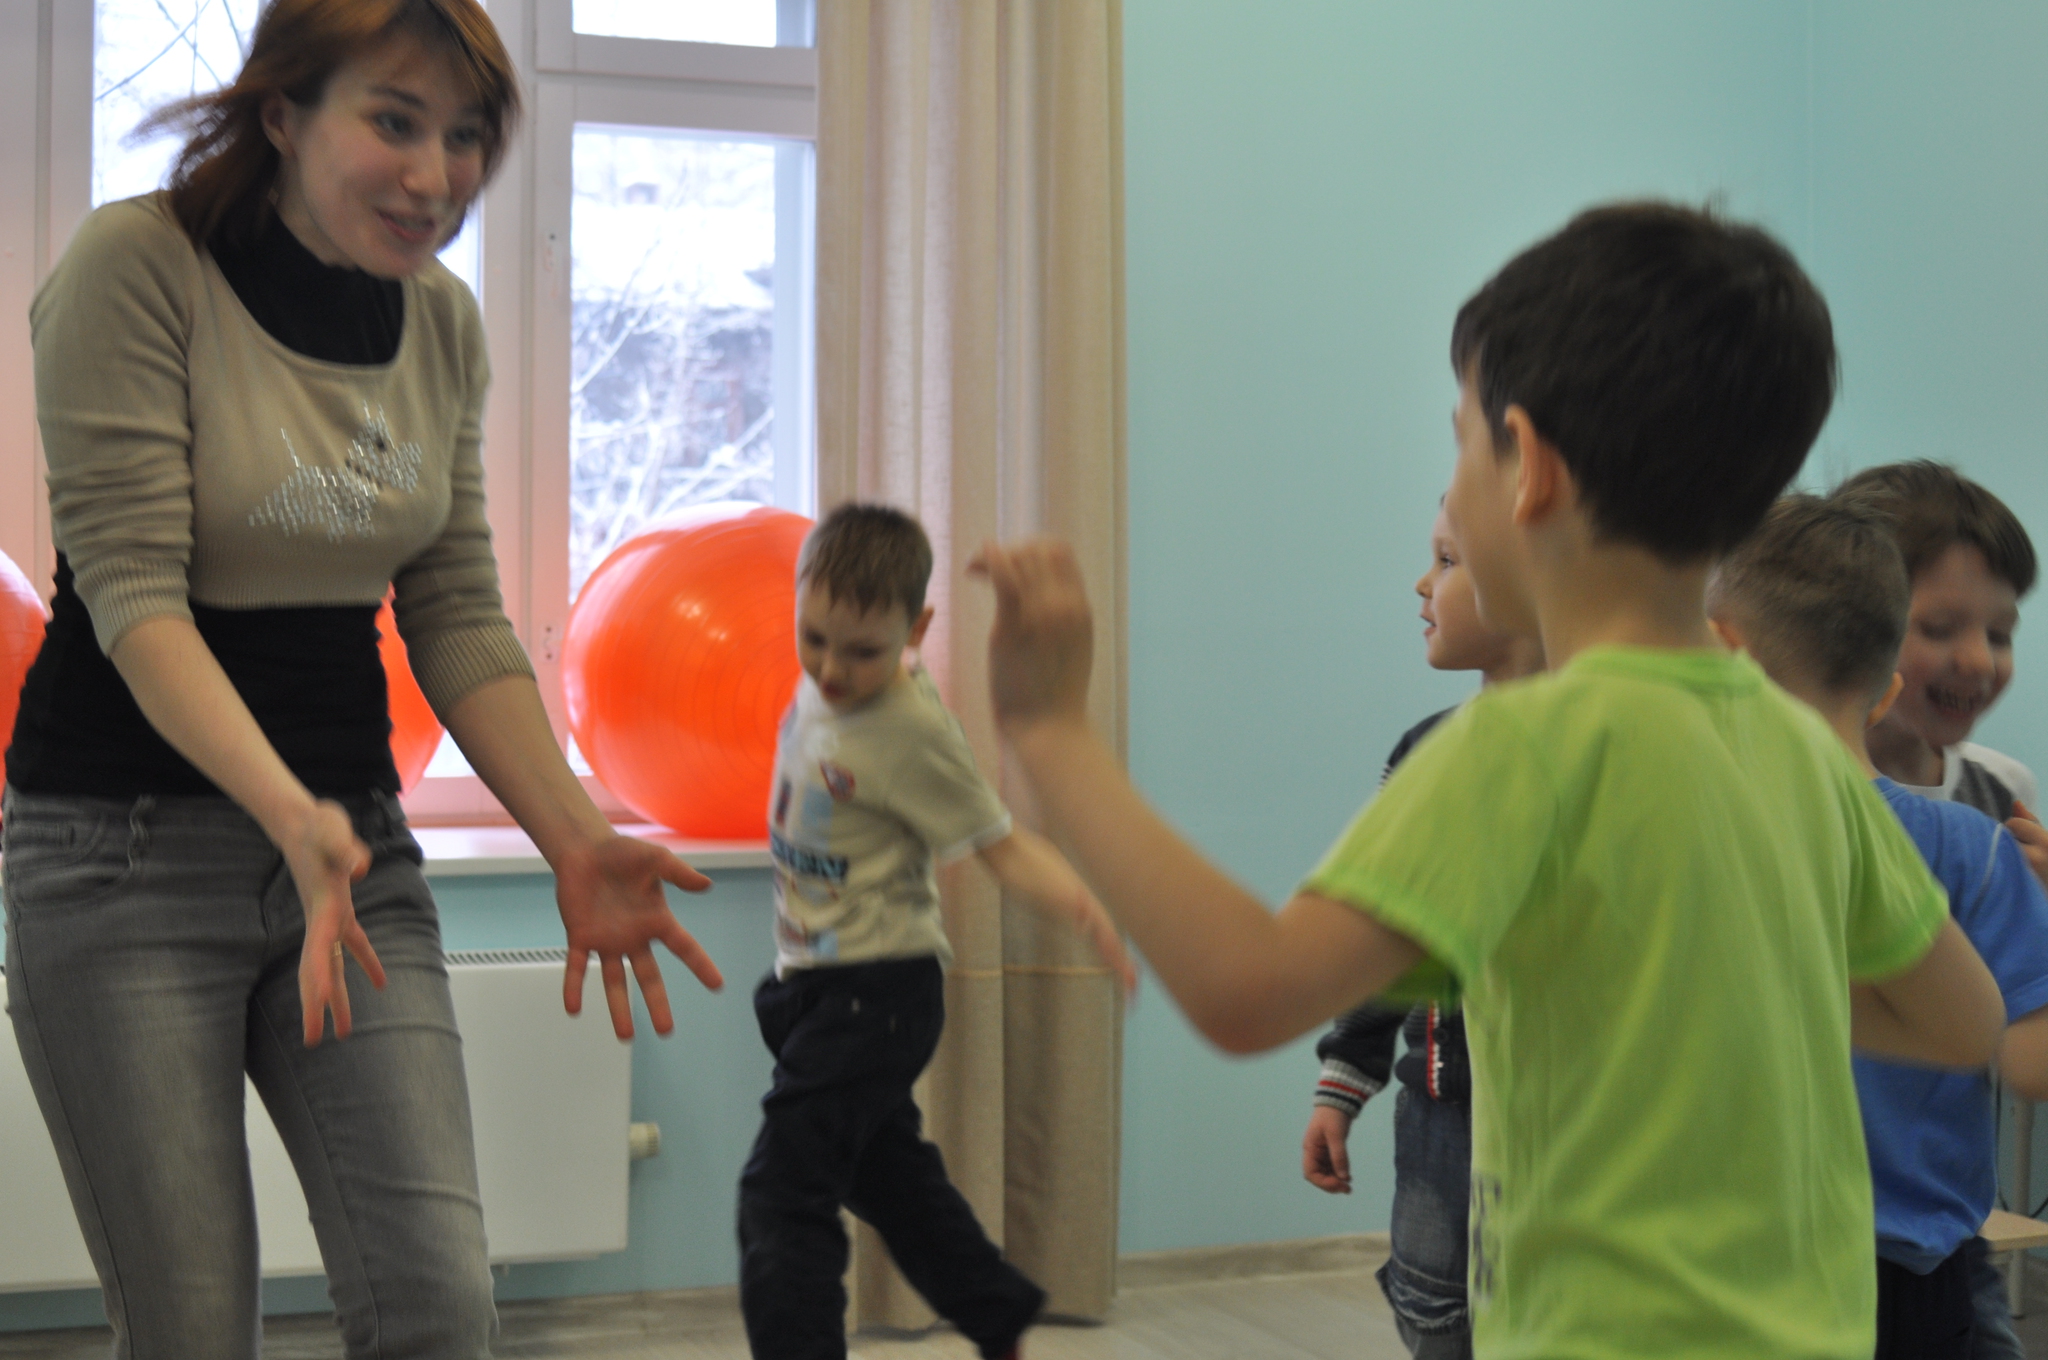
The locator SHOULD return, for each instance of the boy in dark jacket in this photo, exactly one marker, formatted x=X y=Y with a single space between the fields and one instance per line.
x=1424 y=1279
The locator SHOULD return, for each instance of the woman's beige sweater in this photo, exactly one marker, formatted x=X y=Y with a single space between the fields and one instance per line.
x=194 y=457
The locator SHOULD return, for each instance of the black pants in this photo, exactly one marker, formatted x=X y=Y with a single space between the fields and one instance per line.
x=1925 y=1317
x=839 y=1128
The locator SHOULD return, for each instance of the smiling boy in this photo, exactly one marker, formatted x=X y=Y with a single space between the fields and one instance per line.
x=1971 y=563
x=874 y=785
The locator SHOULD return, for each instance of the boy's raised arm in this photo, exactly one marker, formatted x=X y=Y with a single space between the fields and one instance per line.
x=1028 y=863
x=1248 y=979
x=1944 y=1011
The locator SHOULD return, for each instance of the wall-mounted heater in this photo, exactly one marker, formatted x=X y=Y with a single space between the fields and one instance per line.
x=551 y=1097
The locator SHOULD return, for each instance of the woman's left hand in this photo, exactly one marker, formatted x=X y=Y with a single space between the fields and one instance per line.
x=613 y=906
x=607 y=885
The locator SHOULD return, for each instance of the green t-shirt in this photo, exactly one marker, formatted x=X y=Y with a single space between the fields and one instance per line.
x=1653 y=875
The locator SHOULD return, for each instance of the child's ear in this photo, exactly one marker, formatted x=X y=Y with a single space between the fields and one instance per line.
x=1542 y=481
x=1884 y=705
x=919 y=624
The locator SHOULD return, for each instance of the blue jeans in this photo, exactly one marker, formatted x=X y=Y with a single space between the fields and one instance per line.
x=152 y=959
x=1424 y=1278
x=1994 y=1338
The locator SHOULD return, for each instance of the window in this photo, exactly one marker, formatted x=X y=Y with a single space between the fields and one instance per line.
x=643 y=260
x=672 y=384
x=144 y=55
x=744 y=23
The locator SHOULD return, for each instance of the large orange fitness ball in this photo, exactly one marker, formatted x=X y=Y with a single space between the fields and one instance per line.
x=679 y=660
x=415 y=731
x=21 y=637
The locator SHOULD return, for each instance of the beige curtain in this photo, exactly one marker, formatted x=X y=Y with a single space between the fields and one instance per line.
x=970 y=369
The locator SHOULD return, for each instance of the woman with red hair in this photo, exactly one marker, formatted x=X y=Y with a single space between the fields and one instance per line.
x=261 y=398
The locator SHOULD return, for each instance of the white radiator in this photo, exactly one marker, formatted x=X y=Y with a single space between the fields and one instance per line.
x=551 y=1099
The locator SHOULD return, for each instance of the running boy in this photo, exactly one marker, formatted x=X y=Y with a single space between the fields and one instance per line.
x=1424 y=1276
x=874 y=783
x=1652 y=872
x=1819 y=597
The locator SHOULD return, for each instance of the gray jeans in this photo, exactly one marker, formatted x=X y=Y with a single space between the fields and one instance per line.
x=152 y=959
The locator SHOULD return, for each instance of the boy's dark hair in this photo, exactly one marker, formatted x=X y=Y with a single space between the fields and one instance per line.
x=869 y=555
x=1681 y=364
x=1820 y=594
x=1933 y=507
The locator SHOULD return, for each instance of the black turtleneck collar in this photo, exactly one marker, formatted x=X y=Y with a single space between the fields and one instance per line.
x=322 y=311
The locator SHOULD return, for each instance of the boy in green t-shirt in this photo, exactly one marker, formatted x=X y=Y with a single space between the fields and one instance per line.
x=1652 y=873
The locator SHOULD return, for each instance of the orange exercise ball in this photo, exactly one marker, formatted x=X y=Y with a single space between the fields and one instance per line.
x=415 y=731
x=21 y=637
x=679 y=660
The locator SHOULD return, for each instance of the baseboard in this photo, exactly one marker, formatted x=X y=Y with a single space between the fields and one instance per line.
x=1244 y=1260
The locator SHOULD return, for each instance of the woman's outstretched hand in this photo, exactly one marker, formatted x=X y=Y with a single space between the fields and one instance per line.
x=613 y=906
x=326 y=857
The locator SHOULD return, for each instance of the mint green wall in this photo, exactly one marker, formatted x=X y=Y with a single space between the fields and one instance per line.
x=1313 y=188
x=1930 y=237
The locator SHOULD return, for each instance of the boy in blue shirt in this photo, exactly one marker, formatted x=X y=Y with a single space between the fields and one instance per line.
x=1819 y=597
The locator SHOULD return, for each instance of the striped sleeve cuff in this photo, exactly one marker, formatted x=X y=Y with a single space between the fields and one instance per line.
x=1344 y=1087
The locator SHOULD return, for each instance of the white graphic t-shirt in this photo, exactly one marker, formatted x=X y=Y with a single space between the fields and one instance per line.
x=862 y=809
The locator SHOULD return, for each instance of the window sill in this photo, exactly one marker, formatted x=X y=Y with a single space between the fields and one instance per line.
x=476 y=851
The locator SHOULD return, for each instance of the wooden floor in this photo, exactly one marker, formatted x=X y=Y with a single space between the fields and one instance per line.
x=1331 y=1315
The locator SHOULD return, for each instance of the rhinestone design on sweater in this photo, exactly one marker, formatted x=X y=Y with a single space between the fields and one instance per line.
x=343 y=501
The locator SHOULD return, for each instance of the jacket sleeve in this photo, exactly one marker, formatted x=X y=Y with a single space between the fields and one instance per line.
x=1358 y=1056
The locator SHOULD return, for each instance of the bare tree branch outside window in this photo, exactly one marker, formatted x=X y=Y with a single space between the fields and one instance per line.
x=147 y=53
x=672 y=331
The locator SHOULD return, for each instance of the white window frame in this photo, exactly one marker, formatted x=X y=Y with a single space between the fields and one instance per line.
x=46 y=75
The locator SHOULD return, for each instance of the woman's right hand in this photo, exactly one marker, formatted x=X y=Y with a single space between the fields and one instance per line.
x=179 y=686
x=326 y=857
